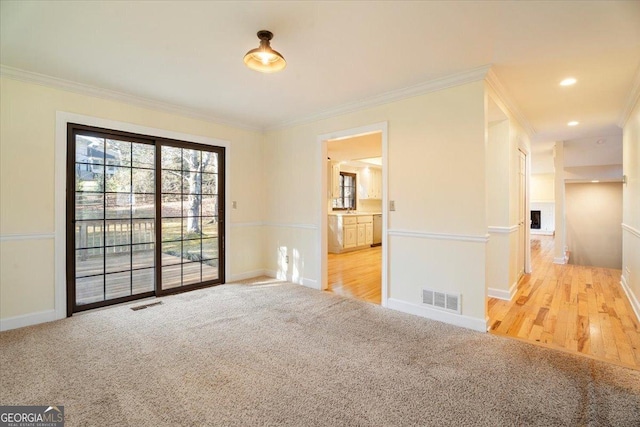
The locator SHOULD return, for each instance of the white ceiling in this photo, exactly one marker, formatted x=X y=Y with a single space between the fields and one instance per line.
x=356 y=148
x=190 y=53
x=595 y=151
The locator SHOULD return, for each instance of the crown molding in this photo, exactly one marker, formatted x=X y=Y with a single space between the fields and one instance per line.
x=84 y=89
x=503 y=94
x=632 y=100
x=480 y=73
x=445 y=82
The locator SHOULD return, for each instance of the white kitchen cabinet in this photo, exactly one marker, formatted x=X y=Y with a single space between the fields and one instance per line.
x=365 y=222
x=376 y=183
x=370 y=185
x=335 y=180
x=349 y=232
x=368 y=239
x=361 y=234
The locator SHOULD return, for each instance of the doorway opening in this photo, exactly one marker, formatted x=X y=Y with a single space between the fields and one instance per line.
x=575 y=303
x=353 y=255
x=572 y=308
x=144 y=216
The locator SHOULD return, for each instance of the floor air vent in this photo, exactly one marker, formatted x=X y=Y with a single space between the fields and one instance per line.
x=142 y=307
x=441 y=300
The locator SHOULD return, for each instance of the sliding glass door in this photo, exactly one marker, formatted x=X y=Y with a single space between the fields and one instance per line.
x=190 y=216
x=144 y=217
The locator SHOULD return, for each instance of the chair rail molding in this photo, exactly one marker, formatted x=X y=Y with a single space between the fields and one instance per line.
x=630 y=229
x=440 y=236
x=503 y=230
x=26 y=236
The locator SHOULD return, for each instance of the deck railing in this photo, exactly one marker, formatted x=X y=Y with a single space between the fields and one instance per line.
x=94 y=235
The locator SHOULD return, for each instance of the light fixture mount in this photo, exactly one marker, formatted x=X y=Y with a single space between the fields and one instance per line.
x=265 y=35
x=264 y=58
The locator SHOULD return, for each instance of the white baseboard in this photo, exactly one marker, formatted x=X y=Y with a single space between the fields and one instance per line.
x=473 y=323
x=562 y=260
x=309 y=283
x=247 y=275
x=50 y=315
x=635 y=304
x=27 y=320
x=502 y=293
x=499 y=293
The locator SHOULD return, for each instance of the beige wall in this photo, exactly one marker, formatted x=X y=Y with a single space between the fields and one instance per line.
x=560 y=241
x=543 y=188
x=519 y=246
x=498 y=174
x=593 y=218
x=27 y=151
x=505 y=139
x=498 y=209
x=436 y=176
x=631 y=207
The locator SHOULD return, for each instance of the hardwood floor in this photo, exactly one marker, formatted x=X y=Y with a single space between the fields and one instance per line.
x=357 y=274
x=573 y=308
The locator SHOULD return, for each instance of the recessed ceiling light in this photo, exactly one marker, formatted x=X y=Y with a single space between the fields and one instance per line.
x=568 y=81
x=573 y=123
x=601 y=141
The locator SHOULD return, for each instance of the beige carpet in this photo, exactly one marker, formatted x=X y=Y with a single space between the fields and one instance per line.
x=274 y=353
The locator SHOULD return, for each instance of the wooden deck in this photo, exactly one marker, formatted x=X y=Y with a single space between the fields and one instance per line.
x=579 y=309
x=175 y=272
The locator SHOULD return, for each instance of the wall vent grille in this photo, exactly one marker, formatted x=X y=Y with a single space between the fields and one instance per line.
x=442 y=300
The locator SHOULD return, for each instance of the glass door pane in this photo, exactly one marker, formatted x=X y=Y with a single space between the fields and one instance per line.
x=137 y=202
x=113 y=219
x=190 y=226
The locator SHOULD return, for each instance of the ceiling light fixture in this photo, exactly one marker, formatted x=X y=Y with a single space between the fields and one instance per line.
x=263 y=58
x=568 y=81
x=595 y=181
x=573 y=123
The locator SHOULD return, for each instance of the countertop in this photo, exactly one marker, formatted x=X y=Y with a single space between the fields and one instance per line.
x=339 y=213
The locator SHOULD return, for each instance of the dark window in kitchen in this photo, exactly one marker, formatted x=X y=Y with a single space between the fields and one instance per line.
x=347 y=199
